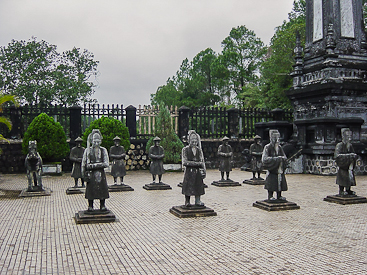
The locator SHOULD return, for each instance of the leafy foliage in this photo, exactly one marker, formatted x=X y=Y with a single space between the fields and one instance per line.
x=36 y=73
x=193 y=84
x=242 y=54
x=210 y=78
x=169 y=140
x=109 y=128
x=276 y=69
x=50 y=137
x=5 y=99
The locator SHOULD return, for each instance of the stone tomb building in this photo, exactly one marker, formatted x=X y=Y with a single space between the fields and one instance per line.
x=330 y=82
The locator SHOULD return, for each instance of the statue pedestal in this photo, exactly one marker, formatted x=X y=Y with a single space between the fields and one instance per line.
x=226 y=183
x=75 y=190
x=157 y=186
x=349 y=199
x=277 y=205
x=192 y=211
x=119 y=188
x=95 y=216
x=35 y=192
x=255 y=181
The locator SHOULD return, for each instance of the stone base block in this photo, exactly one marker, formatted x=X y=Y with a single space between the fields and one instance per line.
x=95 y=216
x=277 y=205
x=226 y=183
x=157 y=186
x=120 y=188
x=192 y=211
x=75 y=190
x=254 y=181
x=349 y=199
x=35 y=193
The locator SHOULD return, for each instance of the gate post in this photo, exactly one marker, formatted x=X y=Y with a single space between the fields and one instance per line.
x=131 y=120
x=75 y=122
x=16 y=120
x=183 y=122
x=233 y=122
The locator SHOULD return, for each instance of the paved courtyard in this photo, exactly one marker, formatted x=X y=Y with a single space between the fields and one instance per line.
x=39 y=235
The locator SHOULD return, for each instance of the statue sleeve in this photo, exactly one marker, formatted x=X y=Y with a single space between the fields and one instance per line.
x=270 y=163
x=343 y=160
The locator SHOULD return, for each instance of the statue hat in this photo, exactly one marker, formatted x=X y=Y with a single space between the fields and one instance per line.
x=257 y=137
x=78 y=139
x=225 y=138
x=116 y=138
x=156 y=139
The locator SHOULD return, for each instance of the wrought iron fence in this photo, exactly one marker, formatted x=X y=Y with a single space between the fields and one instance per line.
x=92 y=112
x=209 y=122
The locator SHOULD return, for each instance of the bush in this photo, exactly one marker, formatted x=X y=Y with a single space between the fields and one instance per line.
x=50 y=137
x=109 y=127
x=169 y=140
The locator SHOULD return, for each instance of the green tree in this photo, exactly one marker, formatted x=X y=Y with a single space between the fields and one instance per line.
x=276 y=69
x=50 y=137
x=193 y=84
x=109 y=128
x=242 y=55
x=36 y=73
x=73 y=77
x=4 y=100
x=169 y=140
x=166 y=95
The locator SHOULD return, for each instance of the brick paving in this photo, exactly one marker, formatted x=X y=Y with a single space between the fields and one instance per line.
x=38 y=235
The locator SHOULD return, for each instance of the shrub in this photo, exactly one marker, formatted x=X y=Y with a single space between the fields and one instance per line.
x=169 y=140
x=109 y=128
x=50 y=137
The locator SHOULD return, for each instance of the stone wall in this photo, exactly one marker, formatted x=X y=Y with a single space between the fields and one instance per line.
x=325 y=165
x=12 y=158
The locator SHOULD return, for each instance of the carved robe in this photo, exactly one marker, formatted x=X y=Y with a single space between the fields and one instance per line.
x=256 y=151
x=346 y=163
x=275 y=178
x=117 y=156
x=156 y=154
x=93 y=164
x=225 y=155
x=192 y=184
x=76 y=156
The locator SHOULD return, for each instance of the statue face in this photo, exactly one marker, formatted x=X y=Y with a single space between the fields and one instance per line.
x=275 y=138
x=78 y=144
x=96 y=141
x=257 y=141
x=117 y=142
x=32 y=149
x=225 y=142
x=156 y=142
x=193 y=140
x=347 y=136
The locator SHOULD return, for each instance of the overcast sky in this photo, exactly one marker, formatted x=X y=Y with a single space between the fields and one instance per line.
x=138 y=43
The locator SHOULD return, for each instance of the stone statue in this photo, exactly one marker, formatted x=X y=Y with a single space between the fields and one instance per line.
x=33 y=164
x=95 y=159
x=346 y=160
x=225 y=155
x=195 y=171
x=275 y=161
x=156 y=154
x=117 y=156
x=256 y=151
x=76 y=156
